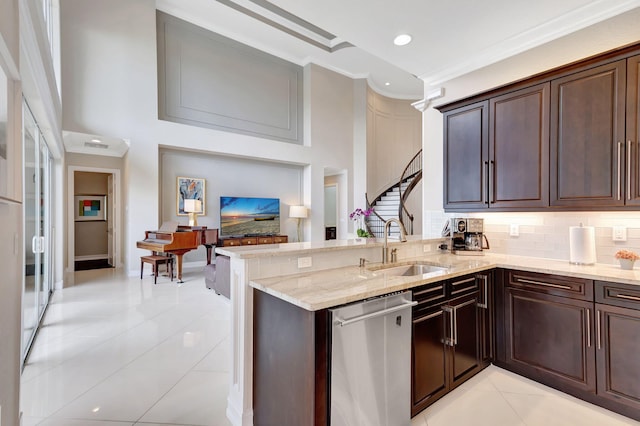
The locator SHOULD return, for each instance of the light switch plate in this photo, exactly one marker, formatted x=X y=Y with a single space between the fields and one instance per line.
x=514 y=230
x=304 y=262
x=426 y=248
x=619 y=233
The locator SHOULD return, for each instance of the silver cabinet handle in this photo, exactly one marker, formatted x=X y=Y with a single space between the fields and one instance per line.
x=598 y=339
x=485 y=182
x=619 y=171
x=404 y=305
x=563 y=287
x=429 y=290
x=627 y=297
x=492 y=190
x=435 y=314
x=629 y=169
x=485 y=303
x=588 y=328
x=449 y=310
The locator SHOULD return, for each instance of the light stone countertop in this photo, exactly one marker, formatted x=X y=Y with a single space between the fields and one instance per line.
x=333 y=287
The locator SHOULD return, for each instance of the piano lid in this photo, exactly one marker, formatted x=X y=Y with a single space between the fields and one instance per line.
x=169 y=226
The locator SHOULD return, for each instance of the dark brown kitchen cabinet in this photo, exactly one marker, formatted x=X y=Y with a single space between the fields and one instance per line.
x=496 y=153
x=466 y=135
x=550 y=337
x=518 y=169
x=632 y=146
x=618 y=344
x=588 y=137
x=448 y=336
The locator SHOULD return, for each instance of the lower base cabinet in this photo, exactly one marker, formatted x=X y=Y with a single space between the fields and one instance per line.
x=574 y=335
x=451 y=327
x=618 y=346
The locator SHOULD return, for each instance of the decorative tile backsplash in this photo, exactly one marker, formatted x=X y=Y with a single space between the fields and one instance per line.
x=546 y=234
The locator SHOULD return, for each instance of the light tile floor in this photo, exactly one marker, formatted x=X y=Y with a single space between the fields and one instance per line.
x=116 y=351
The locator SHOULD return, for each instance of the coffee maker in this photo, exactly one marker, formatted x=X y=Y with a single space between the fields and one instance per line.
x=467 y=236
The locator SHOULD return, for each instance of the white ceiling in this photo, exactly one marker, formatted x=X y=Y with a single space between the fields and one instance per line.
x=450 y=37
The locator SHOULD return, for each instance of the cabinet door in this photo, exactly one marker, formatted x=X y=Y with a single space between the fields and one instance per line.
x=519 y=148
x=618 y=340
x=465 y=352
x=633 y=132
x=466 y=159
x=587 y=137
x=429 y=381
x=549 y=339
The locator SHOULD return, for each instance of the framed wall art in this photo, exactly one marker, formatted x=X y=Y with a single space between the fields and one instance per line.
x=189 y=188
x=90 y=207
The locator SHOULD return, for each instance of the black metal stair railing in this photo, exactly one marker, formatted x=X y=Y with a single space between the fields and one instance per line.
x=412 y=174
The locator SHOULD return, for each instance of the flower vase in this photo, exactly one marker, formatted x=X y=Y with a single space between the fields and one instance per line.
x=626 y=264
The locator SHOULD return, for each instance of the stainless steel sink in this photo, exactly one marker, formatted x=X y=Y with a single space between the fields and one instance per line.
x=412 y=270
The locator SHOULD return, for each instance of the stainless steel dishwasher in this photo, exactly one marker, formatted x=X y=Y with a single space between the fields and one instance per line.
x=371 y=362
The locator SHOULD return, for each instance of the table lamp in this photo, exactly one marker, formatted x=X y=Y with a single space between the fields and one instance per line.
x=193 y=207
x=298 y=212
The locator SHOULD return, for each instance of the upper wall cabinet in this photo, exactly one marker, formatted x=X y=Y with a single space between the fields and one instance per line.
x=567 y=139
x=632 y=145
x=587 y=137
x=465 y=155
x=496 y=152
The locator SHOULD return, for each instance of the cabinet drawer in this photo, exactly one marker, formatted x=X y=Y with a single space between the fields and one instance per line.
x=250 y=241
x=428 y=296
x=231 y=242
x=617 y=294
x=575 y=288
x=463 y=285
x=265 y=240
x=278 y=239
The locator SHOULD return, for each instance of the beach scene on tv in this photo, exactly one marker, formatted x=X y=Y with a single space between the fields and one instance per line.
x=249 y=216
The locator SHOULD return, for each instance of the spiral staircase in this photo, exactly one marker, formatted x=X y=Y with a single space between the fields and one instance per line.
x=391 y=203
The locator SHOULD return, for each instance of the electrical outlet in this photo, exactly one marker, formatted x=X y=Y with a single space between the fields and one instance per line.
x=619 y=233
x=426 y=248
x=304 y=262
x=514 y=230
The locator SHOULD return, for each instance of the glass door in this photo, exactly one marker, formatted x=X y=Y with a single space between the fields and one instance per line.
x=37 y=226
x=32 y=241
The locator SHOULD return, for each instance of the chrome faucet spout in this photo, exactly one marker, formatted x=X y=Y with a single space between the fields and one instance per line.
x=403 y=237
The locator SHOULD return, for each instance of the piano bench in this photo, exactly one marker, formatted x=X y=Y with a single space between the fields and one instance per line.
x=155 y=261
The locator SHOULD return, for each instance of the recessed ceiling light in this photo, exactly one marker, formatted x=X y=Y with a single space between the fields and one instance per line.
x=96 y=140
x=387 y=84
x=402 y=40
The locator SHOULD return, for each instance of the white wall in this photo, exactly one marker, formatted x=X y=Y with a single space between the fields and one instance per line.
x=546 y=235
x=227 y=176
x=110 y=87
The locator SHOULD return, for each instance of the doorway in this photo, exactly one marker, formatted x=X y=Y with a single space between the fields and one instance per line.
x=93 y=229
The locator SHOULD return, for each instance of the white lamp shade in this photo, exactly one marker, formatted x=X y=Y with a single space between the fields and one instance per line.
x=298 y=212
x=192 y=206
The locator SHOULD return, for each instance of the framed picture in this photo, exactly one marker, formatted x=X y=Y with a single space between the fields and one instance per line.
x=189 y=188
x=90 y=207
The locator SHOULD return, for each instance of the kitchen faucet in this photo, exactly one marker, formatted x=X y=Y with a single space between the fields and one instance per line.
x=403 y=237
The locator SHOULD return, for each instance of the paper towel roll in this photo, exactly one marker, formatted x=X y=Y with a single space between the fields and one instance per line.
x=582 y=245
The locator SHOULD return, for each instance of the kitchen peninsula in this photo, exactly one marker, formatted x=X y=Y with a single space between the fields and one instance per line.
x=598 y=303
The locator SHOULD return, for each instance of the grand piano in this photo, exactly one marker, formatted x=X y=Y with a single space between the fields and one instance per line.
x=178 y=240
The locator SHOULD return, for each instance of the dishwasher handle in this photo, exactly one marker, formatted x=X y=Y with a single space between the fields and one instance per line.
x=342 y=322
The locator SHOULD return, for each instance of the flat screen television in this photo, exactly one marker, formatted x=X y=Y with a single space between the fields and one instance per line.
x=249 y=216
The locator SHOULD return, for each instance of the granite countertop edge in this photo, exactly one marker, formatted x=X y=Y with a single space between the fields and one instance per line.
x=329 y=288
